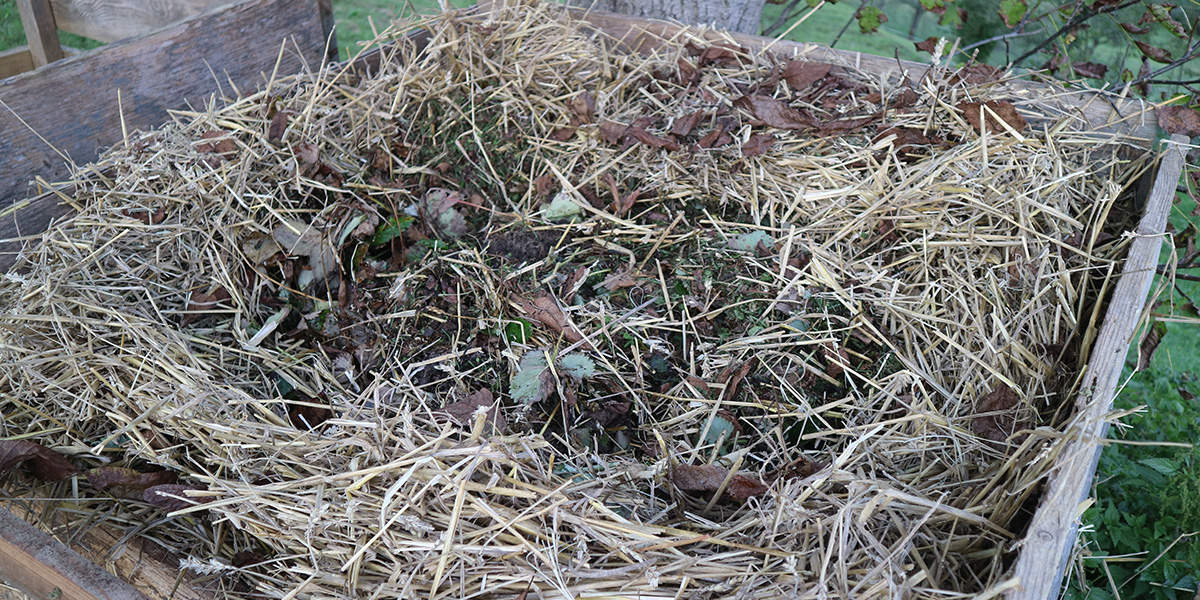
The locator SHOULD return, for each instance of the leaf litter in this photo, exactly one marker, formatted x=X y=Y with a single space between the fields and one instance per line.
x=517 y=313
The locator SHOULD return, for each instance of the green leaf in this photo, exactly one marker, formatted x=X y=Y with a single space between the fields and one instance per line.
x=1012 y=11
x=933 y=5
x=577 y=365
x=747 y=242
x=720 y=430
x=1162 y=14
x=870 y=18
x=518 y=331
x=528 y=385
x=562 y=207
x=391 y=229
x=1165 y=466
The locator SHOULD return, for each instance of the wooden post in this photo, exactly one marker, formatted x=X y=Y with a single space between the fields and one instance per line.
x=40 y=31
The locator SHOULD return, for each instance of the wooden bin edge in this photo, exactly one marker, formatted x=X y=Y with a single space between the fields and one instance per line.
x=1042 y=563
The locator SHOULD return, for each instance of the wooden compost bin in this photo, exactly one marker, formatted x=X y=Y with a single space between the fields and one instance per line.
x=1051 y=536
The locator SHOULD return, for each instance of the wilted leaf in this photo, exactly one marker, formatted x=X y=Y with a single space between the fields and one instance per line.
x=1143 y=74
x=584 y=105
x=996 y=419
x=200 y=303
x=1162 y=14
x=638 y=132
x=221 y=143
x=905 y=141
x=797 y=469
x=748 y=242
x=1179 y=119
x=482 y=399
x=612 y=132
x=800 y=74
x=870 y=18
x=1134 y=29
x=928 y=45
x=775 y=113
x=741 y=487
x=684 y=125
x=715 y=138
x=1153 y=53
x=619 y=279
x=45 y=463
x=1090 y=69
x=733 y=375
x=701 y=478
x=562 y=207
x=836 y=359
x=278 y=126
x=308 y=415
x=847 y=125
x=1150 y=343
x=687 y=71
x=976 y=73
x=1001 y=108
x=125 y=483
x=716 y=53
x=298 y=238
x=1012 y=11
x=905 y=99
x=545 y=309
x=440 y=205
x=758 y=144
x=172 y=496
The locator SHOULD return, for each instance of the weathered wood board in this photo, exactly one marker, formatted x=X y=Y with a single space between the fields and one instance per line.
x=112 y=20
x=70 y=108
x=40 y=566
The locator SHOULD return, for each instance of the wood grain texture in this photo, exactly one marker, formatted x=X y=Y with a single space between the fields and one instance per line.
x=42 y=567
x=72 y=104
x=41 y=33
x=1041 y=566
x=112 y=20
x=15 y=60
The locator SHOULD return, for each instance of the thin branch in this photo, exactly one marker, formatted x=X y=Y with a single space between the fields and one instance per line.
x=1074 y=22
x=853 y=18
x=789 y=12
x=1005 y=36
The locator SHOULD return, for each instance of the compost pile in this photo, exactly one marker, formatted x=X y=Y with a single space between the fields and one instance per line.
x=518 y=311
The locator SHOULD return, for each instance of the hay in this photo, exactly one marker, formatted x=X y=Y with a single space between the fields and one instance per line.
x=875 y=346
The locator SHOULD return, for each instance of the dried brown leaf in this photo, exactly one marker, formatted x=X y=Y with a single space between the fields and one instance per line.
x=702 y=478
x=1002 y=108
x=130 y=484
x=1134 y=29
x=996 y=417
x=684 y=125
x=584 y=105
x=172 y=496
x=1179 y=120
x=278 y=126
x=1090 y=69
x=800 y=74
x=1150 y=343
x=545 y=310
x=742 y=487
x=464 y=410
x=928 y=45
x=1153 y=53
x=612 y=132
x=776 y=113
x=46 y=464
x=758 y=144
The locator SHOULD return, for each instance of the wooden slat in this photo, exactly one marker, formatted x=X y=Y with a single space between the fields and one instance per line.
x=1048 y=544
x=40 y=566
x=112 y=20
x=15 y=60
x=72 y=104
x=41 y=33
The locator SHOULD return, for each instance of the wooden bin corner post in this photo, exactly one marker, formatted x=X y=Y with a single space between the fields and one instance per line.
x=41 y=32
x=1041 y=565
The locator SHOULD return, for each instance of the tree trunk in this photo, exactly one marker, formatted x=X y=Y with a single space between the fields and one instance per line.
x=744 y=16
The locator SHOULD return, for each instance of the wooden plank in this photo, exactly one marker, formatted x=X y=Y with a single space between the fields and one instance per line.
x=15 y=60
x=112 y=20
x=41 y=33
x=1047 y=547
x=1101 y=113
x=72 y=104
x=40 y=566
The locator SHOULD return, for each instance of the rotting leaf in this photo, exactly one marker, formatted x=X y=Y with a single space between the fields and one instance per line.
x=716 y=138
x=1153 y=53
x=996 y=415
x=687 y=71
x=278 y=126
x=310 y=415
x=129 y=484
x=799 y=74
x=298 y=238
x=201 y=303
x=836 y=359
x=905 y=141
x=684 y=125
x=1134 y=29
x=1001 y=108
x=1149 y=344
x=638 y=131
x=440 y=207
x=797 y=469
x=612 y=132
x=1162 y=14
x=775 y=113
x=742 y=487
x=732 y=377
x=1179 y=120
x=976 y=74
x=700 y=478
x=146 y=216
x=758 y=144
x=220 y=143
x=1090 y=69
x=928 y=45
x=463 y=411
x=545 y=309
x=847 y=125
x=46 y=464
x=584 y=105
x=172 y=496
